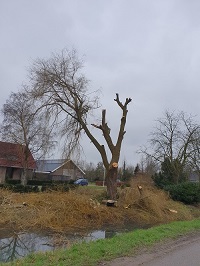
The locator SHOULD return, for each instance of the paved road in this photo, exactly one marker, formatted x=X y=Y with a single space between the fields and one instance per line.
x=184 y=251
x=186 y=255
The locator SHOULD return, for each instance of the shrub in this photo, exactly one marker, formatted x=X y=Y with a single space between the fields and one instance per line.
x=13 y=181
x=20 y=188
x=160 y=180
x=38 y=182
x=186 y=192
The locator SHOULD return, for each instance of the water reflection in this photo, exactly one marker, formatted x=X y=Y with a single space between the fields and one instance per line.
x=18 y=245
x=21 y=244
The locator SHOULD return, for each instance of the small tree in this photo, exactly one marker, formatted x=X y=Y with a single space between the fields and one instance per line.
x=148 y=166
x=125 y=172
x=137 y=169
x=63 y=90
x=25 y=124
x=99 y=171
x=171 y=173
x=89 y=169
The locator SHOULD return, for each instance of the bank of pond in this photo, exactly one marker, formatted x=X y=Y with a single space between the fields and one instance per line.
x=89 y=252
x=15 y=245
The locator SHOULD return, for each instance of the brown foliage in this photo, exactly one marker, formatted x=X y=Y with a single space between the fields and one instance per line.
x=148 y=204
x=57 y=211
x=81 y=209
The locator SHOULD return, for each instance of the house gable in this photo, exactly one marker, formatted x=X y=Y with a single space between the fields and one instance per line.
x=59 y=169
x=12 y=161
x=12 y=155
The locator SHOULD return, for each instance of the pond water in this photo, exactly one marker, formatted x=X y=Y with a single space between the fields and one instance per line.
x=18 y=245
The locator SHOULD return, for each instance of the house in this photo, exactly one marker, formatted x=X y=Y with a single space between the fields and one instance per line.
x=57 y=170
x=12 y=162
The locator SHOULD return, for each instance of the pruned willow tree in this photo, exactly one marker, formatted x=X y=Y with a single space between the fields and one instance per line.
x=63 y=90
x=25 y=124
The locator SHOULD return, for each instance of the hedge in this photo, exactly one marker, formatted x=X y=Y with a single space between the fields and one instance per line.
x=187 y=192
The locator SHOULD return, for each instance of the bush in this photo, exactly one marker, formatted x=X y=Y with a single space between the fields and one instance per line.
x=46 y=186
x=24 y=189
x=20 y=188
x=71 y=181
x=186 y=192
x=13 y=181
x=34 y=182
x=160 y=180
x=38 y=182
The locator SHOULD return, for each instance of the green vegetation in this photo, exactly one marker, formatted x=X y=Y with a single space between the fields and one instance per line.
x=171 y=173
x=186 y=192
x=37 y=186
x=179 y=189
x=92 y=253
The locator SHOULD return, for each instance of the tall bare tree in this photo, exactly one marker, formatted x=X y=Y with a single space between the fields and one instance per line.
x=25 y=124
x=175 y=138
x=64 y=93
x=17 y=246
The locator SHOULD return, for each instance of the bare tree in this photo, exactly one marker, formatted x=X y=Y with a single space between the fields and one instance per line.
x=148 y=165
x=17 y=246
x=176 y=138
x=64 y=93
x=25 y=124
x=194 y=158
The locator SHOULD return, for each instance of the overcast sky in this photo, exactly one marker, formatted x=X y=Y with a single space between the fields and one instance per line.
x=146 y=50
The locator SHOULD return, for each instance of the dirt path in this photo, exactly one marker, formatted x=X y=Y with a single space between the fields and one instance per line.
x=184 y=251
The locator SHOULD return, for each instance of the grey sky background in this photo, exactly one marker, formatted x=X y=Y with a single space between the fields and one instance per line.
x=146 y=50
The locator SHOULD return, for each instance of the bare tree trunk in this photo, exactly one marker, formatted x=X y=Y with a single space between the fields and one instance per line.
x=24 y=177
x=111 y=181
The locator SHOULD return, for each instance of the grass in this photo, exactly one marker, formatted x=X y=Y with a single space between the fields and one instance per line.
x=88 y=254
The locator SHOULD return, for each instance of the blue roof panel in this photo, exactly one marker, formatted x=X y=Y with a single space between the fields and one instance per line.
x=49 y=165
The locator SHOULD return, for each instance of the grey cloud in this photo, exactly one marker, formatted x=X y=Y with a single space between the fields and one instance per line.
x=146 y=50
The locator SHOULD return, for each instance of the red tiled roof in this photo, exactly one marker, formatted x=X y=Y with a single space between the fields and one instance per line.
x=11 y=155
